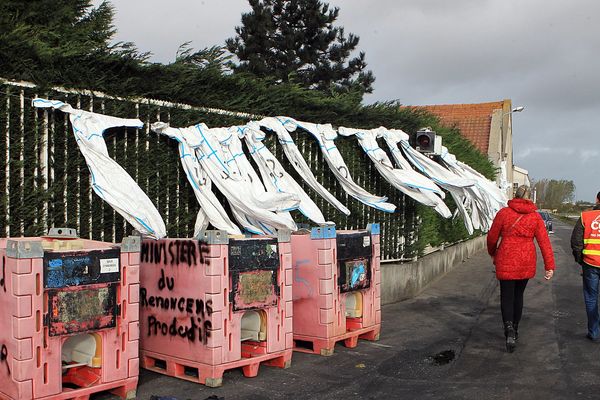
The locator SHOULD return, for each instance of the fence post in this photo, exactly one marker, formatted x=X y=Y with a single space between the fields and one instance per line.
x=7 y=168
x=44 y=167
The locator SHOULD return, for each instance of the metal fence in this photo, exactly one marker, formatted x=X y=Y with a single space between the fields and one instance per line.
x=45 y=181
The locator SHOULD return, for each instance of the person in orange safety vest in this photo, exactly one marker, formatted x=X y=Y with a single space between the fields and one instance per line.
x=585 y=243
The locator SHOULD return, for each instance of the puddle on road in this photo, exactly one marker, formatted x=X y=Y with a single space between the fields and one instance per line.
x=442 y=358
x=414 y=364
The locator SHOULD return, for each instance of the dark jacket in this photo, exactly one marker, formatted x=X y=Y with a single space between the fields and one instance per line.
x=577 y=239
x=517 y=225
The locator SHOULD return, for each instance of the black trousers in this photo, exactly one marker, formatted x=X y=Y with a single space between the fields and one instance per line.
x=511 y=299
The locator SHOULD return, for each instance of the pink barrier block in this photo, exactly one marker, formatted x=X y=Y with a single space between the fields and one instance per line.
x=192 y=303
x=22 y=306
x=134 y=260
x=24 y=388
x=23 y=349
x=326 y=257
x=319 y=306
x=133 y=367
x=134 y=293
x=34 y=357
x=311 y=316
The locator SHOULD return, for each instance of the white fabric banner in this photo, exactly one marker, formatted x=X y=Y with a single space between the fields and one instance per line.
x=407 y=180
x=211 y=210
x=109 y=180
x=275 y=178
x=325 y=135
x=443 y=177
x=220 y=154
x=261 y=206
x=298 y=162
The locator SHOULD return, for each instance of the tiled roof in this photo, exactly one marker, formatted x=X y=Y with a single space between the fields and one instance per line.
x=473 y=120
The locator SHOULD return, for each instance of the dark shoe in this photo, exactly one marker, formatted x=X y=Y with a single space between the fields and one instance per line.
x=516 y=326
x=509 y=333
x=593 y=339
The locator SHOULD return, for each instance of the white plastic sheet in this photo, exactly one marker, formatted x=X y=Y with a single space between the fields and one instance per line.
x=262 y=206
x=325 y=135
x=109 y=180
x=220 y=154
x=295 y=158
x=445 y=178
x=211 y=210
x=407 y=180
x=275 y=178
x=504 y=184
x=487 y=199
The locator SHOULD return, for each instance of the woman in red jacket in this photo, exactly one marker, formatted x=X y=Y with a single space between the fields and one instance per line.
x=515 y=257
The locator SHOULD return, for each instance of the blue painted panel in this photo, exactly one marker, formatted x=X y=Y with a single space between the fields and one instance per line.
x=374 y=229
x=323 y=232
x=75 y=268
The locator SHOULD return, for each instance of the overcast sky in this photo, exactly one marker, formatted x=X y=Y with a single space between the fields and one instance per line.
x=544 y=55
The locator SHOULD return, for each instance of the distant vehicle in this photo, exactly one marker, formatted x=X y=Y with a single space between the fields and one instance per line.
x=547 y=220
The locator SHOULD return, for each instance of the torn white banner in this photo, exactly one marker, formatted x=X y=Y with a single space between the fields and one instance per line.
x=298 y=162
x=487 y=199
x=211 y=211
x=451 y=182
x=219 y=152
x=407 y=180
x=325 y=135
x=275 y=178
x=109 y=180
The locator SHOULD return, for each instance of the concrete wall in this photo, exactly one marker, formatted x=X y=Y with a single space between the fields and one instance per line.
x=406 y=280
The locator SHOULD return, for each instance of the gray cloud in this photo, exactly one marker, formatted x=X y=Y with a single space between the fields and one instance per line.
x=544 y=55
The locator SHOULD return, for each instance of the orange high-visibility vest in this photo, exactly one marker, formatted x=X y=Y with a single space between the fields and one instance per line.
x=591 y=237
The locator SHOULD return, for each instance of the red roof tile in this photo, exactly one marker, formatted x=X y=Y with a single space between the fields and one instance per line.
x=473 y=120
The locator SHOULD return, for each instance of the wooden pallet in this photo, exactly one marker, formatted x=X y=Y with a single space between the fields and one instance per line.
x=125 y=389
x=211 y=375
x=326 y=346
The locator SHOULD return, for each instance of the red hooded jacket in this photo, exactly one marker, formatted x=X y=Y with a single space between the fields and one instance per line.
x=515 y=258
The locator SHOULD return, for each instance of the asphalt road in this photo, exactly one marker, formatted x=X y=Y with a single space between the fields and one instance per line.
x=447 y=343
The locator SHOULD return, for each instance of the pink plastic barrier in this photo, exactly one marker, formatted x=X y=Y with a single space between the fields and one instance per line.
x=337 y=288
x=194 y=295
x=69 y=318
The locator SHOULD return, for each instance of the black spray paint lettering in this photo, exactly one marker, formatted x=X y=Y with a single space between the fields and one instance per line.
x=174 y=252
x=4 y=357
x=199 y=326
x=204 y=251
x=189 y=305
x=3 y=279
x=195 y=330
x=168 y=282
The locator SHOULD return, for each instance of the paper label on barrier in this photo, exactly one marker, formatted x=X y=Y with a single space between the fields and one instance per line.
x=366 y=241
x=109 y=265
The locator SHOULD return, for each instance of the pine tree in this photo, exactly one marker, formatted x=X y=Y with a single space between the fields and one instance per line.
x=60 y=40
x=295 y=41
x=214 y=58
